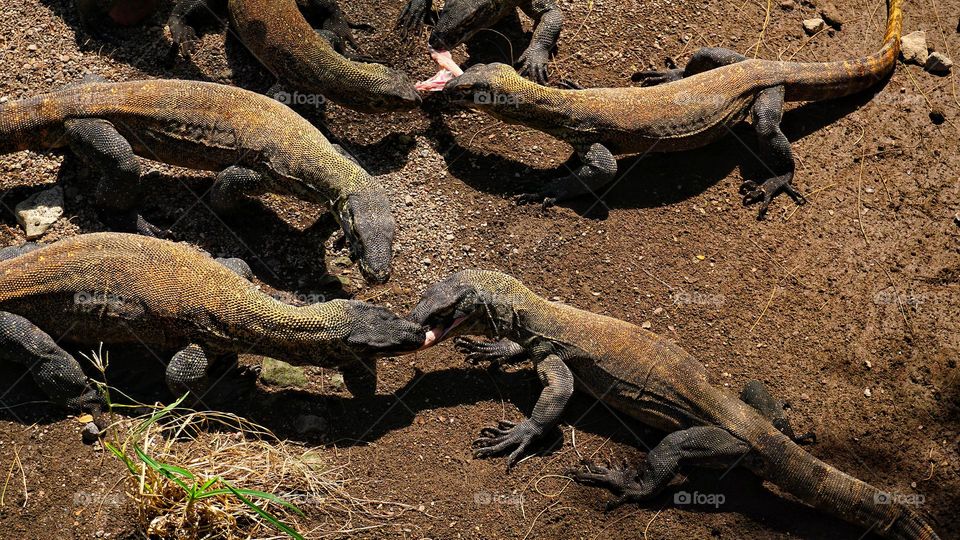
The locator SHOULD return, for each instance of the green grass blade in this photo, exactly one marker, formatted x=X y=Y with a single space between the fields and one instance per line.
x=123 y=457
x=165 y=470
x=251 y=493
x=263 y=513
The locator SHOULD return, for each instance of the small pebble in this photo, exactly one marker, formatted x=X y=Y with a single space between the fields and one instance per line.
x=938 y=63
x=913 y=48
x=812 y=26
x=867 y=392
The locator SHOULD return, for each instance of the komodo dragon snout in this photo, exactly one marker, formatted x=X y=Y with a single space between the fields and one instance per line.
x=480 y=85
x=453 y=307
x=369 y=228
x=377 y=331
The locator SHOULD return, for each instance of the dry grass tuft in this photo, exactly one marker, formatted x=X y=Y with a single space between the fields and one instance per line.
x=211 y=475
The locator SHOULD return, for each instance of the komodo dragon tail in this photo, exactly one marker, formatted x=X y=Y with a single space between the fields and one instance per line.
x=820 y=81
x=818 y=484
x=34 y=123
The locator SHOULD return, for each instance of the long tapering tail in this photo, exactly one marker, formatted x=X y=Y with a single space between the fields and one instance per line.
x=819 y=81
x=827 y=488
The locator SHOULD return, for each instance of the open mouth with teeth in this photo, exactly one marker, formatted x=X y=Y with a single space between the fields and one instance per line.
x=448 y=71
x=438 y=333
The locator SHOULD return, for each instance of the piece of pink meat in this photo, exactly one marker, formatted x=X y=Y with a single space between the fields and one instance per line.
x=448 y=70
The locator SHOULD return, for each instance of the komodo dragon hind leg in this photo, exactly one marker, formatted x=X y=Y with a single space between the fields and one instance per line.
x=558 y=387
x=705 y=446
x=704 y=59
x=599 y=167
x=56 y=372
x=228 y=196
x=183 y=35
x=757 y=396
x=775 y=153
x=100 y=145
x=496 y=352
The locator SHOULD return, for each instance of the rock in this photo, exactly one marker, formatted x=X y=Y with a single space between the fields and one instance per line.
x=90 y=433
x=278 y=373
x=938 y=63
x=956 y=219
x=788 y=5
x=40 y=211
x=831 y=14
x=913 y=48
x=938 y=117
x=309 y=423
x=812 y=26
x=408 y=200
x=867 y=392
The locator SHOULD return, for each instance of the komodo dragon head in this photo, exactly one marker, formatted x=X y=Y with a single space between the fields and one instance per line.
x=485 y=86
x=460 y=20
x=378 y=89
x=369 y=228
x=471 y=302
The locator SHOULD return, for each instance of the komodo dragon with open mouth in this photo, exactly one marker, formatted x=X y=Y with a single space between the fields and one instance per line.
x=255 y=143
x=674 y=110
x=460 y=20
x=651 y=379
x=116 y=288
x=308 y=60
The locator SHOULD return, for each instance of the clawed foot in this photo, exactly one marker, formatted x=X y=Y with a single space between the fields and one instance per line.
x=536 y=198
x=764 y=193
x=506 y=435
x=653 y=78
x=806 y=439
x=533 y=63
x=413 y=17
x=620 y=479
x=496 y=352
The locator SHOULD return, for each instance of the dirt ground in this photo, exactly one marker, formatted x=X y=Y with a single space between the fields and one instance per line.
x=845 y=307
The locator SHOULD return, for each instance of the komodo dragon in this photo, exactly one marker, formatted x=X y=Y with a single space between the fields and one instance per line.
x=648 y=378
x=313 y=61
x=116 y=288
x=257 y=144
x=675 y=110
x=460 y=20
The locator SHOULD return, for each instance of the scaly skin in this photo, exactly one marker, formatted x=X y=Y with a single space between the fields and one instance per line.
x=116 y=288
x=258 y=144
x=648 y=378
x=679 y=110
x=461 y=20
x=308 y=60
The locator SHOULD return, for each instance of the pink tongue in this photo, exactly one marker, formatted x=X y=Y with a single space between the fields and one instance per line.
x=448 y=70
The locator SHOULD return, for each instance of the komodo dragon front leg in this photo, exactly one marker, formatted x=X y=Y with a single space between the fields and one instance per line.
x=334 y=25
x=547 y=24
x=558 y=387
x=766 y=114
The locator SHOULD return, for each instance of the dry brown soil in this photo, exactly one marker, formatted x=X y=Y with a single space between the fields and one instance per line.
x=846 y=308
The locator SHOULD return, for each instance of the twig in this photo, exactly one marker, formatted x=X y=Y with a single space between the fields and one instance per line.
x=769 y=301
x=650 y=523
